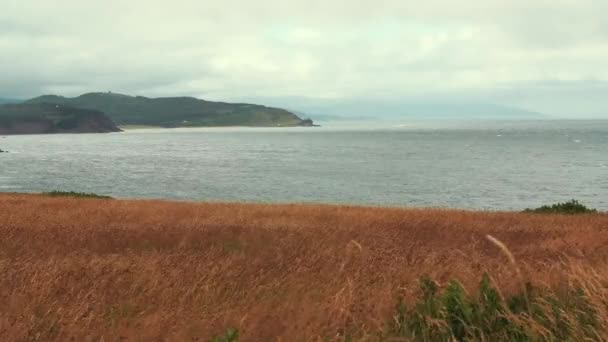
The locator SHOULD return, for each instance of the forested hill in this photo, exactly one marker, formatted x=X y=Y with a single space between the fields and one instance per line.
x=47 y=118
x=177 y=111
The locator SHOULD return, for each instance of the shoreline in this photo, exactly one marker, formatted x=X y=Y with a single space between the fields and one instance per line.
x=139 y=127
x=77 y=195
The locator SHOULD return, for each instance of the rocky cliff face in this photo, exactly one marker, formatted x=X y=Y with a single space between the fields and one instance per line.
x=51 y=118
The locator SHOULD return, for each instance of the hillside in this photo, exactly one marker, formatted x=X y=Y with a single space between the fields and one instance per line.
x=50 y=118
x=89 y=269
x=177 y=111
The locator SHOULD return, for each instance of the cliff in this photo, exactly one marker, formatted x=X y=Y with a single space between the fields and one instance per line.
x=51 y=118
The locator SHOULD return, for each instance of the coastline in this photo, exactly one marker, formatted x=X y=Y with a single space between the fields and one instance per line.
x=140 y=127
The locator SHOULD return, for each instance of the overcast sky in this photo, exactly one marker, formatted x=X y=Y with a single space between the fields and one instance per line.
x=549 y=56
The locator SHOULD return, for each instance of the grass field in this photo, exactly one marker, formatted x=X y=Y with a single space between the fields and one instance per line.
x=98 y=269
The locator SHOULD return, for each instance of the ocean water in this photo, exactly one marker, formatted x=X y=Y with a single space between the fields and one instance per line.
x=479 y=165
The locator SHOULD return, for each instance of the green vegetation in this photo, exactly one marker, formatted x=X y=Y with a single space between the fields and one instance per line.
x=571 y=207
x=75 y=194
x=177 y=111
x=230 y=335
x=50 y=118
x=455 y=315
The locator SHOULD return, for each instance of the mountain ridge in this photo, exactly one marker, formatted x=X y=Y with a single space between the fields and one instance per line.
x=182 y=111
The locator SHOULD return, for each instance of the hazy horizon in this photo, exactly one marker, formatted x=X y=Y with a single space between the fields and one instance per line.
x=513 y=54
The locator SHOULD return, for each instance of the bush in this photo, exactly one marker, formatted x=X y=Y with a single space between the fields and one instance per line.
x=230 y=335
x=75 y=194
x=571 y=207
x=455 y=315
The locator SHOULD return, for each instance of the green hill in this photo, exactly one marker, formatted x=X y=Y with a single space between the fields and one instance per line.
x=46 y=118
x=177 y=111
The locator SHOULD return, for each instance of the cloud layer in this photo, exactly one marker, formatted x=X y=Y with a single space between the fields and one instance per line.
x=550 y=56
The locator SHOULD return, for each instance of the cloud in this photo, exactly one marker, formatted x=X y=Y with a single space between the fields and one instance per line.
x=491 y=50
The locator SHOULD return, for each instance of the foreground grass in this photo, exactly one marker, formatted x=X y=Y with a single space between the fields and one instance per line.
x=454 y=314
x=531 y=315
x=153 y=270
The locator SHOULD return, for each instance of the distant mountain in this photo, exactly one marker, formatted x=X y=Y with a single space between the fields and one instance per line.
x=177 y=111
x=50 y=118
x=397 y=109
x=6 y=101
x=418 y=111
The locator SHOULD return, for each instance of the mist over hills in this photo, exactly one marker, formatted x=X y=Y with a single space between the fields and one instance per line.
x=7 y=101
x=192 y=112
x=369 y=110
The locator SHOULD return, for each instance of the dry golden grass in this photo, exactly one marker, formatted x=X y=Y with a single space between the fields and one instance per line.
x=88 y=269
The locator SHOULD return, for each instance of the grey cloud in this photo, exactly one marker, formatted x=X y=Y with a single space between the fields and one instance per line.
x=338 y=49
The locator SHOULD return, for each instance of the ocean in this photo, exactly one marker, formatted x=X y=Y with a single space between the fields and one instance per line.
x=506 y=165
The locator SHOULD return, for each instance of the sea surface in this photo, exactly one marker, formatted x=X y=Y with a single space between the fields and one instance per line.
x=480 y=165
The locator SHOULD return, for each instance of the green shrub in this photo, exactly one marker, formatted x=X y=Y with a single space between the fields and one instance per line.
x=230 y=335
x=571 y=207
x=455 y=315
x=75 y=194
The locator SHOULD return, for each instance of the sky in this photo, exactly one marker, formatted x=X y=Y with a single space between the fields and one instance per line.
x=546 y=56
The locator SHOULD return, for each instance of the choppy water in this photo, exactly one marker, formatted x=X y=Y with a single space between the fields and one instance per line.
x=464 y=165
